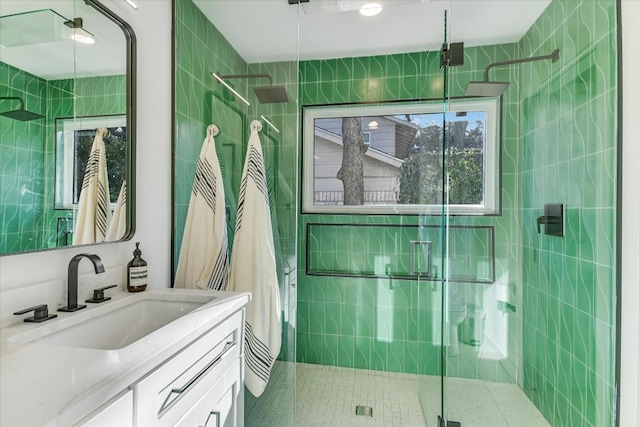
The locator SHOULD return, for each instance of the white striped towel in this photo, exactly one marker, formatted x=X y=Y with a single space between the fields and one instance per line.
x=118 y=225
x=94 y=208
x=204 y=256
x=253 y=269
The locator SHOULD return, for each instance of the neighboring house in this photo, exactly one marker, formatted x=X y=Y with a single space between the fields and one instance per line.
x=388 y=139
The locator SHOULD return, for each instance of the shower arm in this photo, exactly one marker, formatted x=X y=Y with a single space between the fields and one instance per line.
x=553 y=57
x=246 y=76
x=12 y=98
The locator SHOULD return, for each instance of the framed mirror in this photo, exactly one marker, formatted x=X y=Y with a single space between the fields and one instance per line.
x=67 y=70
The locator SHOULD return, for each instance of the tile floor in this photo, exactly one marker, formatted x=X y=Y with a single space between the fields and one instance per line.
x=327 y=396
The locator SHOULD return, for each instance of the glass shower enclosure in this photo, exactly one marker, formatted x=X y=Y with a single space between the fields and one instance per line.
x=444 y=210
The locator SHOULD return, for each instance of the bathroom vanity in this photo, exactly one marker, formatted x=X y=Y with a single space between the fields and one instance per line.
x=163 y=358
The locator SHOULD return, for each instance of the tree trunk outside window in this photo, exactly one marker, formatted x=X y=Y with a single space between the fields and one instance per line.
x=352 y=170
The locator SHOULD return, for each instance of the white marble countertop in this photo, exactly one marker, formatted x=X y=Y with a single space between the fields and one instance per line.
x=49 y=385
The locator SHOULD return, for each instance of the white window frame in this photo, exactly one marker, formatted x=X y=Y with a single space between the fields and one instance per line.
x=491 y=168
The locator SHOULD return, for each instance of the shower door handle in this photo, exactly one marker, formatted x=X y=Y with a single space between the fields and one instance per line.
x=412 y=264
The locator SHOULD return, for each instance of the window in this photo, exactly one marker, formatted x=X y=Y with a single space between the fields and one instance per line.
x=74 y=138
x=389 y=158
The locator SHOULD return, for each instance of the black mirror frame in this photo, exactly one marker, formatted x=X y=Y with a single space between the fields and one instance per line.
x=131 y=112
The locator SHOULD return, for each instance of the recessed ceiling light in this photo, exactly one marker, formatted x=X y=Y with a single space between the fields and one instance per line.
x=370 y=9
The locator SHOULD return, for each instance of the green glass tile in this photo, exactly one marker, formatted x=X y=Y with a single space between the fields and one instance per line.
x=334 y=291
x=348 y=320
x=396 y=356
x=346 y=348
x=319 y=290
x=343 y=68
x=332 y=318
x=430 y=360
x=379 y=357
x=362 y=353
x=414 y=327
x=365 y=321
x=411 y=357
x=302 y=317
x=314 y=350
x=329 y=354
x=317 y=312
x=604 y=294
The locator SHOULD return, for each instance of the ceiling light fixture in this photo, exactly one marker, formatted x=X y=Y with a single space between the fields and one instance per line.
x=370 y=9
x=131 y=3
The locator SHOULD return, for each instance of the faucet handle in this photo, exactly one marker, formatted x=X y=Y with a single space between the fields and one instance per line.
x=40 y=313
x=98 y=295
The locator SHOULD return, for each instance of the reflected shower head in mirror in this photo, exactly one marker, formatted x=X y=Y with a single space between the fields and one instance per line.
x=20 y=114
x=266 y=94
x=494 y=89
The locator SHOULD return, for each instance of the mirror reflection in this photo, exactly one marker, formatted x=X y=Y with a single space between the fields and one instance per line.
x=64 y=112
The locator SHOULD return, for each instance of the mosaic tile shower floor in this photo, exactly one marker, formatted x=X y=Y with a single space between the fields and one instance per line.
x=327 y=396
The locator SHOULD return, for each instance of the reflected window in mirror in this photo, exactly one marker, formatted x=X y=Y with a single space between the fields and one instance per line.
x=74 y=138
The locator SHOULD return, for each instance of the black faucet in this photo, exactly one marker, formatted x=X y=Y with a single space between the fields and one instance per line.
x=72 y=280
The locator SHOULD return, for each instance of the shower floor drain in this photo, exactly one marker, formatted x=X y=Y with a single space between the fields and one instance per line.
x=365 y=411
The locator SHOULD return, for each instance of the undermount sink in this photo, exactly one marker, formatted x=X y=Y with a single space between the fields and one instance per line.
x=116 y=324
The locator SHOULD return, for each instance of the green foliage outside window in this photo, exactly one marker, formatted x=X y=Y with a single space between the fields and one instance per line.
x=421 y=175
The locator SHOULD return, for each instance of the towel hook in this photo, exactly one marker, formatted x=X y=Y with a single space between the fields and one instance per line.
x=256 y=125
x=213 y=130
x=103 y=132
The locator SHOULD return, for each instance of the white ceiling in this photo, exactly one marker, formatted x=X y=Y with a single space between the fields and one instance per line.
x=267 y=30
x=66 y=58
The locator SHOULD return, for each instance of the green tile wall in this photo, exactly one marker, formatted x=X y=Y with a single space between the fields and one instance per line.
x=327 y=306
x=28 y=149
x=22 y=159
x=568 y=122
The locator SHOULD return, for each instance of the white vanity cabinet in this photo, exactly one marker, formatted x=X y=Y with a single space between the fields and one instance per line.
x=117 y=412
x=205 y=376
x=184 y=365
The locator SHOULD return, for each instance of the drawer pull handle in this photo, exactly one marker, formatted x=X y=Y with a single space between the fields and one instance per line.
x=168 y=402
x=217 y=415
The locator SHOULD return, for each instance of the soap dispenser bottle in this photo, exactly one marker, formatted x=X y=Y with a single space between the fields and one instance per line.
x=137 y=272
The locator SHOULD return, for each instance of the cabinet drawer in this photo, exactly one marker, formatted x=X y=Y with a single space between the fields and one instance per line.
x=117 y=412
x=167 y=393
x=219 y=405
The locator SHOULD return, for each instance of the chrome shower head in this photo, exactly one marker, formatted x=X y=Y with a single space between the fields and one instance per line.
x=20 y=114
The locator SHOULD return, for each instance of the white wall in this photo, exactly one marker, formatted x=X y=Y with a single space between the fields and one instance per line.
x=35 y=278
x=630 y=352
